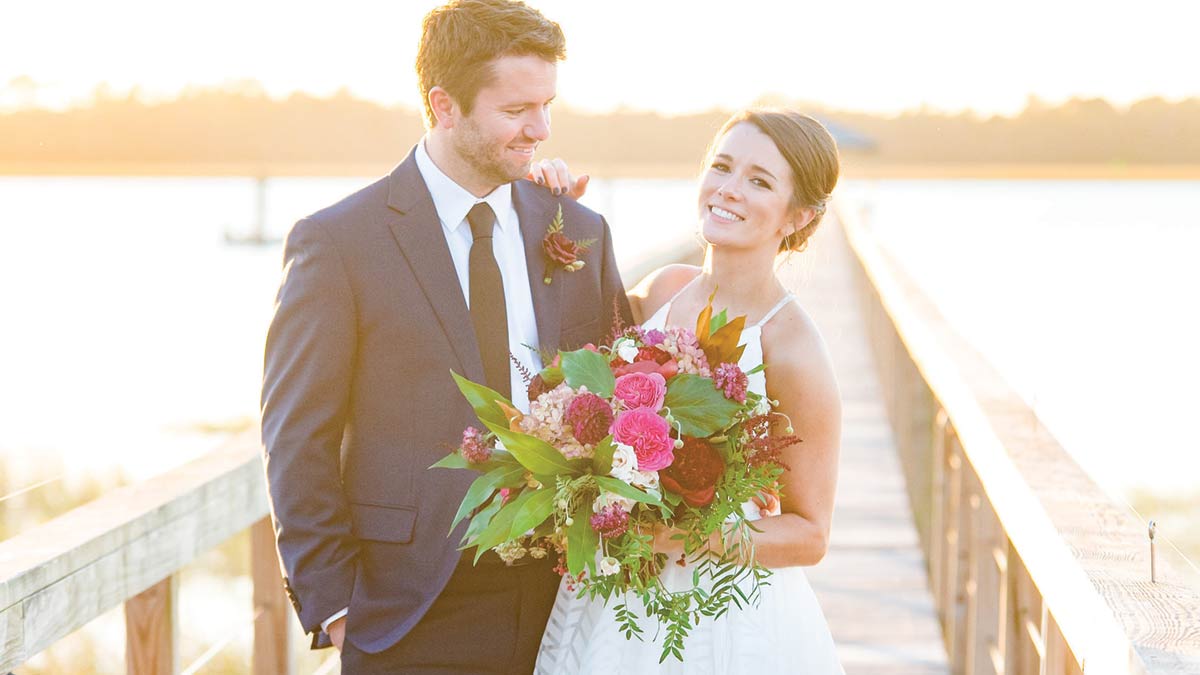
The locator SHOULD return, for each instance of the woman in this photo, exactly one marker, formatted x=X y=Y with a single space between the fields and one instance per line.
x=768 y=179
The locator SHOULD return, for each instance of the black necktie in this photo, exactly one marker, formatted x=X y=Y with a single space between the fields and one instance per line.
x=488 y=313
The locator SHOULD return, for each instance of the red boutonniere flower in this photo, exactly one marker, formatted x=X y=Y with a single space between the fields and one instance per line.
x=560 y=251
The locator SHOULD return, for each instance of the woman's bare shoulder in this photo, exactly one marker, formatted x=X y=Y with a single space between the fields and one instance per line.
x=792 y=343
x=659 y=286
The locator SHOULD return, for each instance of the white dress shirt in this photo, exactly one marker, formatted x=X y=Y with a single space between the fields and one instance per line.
x=452 y=202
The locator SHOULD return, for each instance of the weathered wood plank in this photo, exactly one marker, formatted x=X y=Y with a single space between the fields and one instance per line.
x=152 y=630
x=61 y=575
x=272 y=646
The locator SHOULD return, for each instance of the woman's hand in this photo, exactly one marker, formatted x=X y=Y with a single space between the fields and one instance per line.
x=663 y=543
x=554 y=176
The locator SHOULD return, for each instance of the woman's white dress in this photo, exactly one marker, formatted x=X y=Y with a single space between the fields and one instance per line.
x=785 y=633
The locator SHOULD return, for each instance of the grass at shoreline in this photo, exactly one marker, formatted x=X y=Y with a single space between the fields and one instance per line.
x=852 y=167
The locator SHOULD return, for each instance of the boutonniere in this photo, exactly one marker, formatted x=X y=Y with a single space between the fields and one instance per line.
x=560 y=251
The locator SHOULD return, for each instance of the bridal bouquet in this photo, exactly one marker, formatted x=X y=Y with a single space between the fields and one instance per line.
x=656 y=430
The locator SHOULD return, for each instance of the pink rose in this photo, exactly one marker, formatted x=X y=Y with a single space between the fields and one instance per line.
x=667 y=370
x=641 y=390
x=650 y=436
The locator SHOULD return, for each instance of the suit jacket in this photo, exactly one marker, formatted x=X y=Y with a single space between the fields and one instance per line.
x=358 y=400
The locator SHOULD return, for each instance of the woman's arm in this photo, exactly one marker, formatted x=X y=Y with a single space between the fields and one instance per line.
x=800 y=376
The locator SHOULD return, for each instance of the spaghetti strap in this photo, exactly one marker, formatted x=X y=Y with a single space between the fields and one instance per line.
x=775 y=310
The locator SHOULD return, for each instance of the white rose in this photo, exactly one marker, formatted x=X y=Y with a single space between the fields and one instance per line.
x=624 y=464
x=626 y=349
x=607 y=499
x=608 y=566
x=647 y=480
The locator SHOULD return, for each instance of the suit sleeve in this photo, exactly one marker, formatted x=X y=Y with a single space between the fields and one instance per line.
x=306 y=388
x=612 y=290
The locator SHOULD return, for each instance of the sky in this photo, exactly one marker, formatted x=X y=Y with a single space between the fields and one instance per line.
x=665 y=55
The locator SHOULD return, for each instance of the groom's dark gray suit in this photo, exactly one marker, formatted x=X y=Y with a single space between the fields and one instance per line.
x=358 y=400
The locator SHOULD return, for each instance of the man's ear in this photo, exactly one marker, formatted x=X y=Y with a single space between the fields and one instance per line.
x=445 y=110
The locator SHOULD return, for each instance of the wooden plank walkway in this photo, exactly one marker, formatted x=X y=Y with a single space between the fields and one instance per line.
x=873 y=584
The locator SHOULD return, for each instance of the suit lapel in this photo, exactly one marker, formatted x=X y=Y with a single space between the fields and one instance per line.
x=535 y=209
x=419 y=233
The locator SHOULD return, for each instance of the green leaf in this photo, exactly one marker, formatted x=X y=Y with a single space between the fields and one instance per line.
x=455 y=460
x=537 y=509
x=697 y=405
x=626 y=490
x=717 y=321
x=482 y=488
x=483 y=400
x=585 y=368
x=757 y=369
x=552 y=376
x=582 y=541
x=452 y=461
x=603 y=458
x=481 y=519
x=536 y=455
x=497 y=531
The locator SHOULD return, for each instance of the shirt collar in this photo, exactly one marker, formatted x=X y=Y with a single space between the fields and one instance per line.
x=453 y=201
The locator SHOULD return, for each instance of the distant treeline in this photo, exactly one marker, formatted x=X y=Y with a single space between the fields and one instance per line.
x=245 y=126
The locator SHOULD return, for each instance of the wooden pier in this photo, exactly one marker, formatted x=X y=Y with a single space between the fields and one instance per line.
x=965 y=540
x=872 y=584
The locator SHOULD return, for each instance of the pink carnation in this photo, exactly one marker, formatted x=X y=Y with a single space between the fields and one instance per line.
x=650 y=436
x=590 y=417
x=730 y=379
x=641 y=390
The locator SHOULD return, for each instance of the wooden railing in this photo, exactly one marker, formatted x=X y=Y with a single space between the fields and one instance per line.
x=1033 y=568
x=128 y=547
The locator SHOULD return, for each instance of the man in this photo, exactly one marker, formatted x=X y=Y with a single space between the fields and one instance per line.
x=436 y=267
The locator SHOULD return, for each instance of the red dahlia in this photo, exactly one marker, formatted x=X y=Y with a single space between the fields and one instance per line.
x=695 y=472
x=590 y=418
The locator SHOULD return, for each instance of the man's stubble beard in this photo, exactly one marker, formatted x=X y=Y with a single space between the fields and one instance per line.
x=484 y=157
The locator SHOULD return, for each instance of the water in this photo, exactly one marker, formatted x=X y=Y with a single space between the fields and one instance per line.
x=1083 y=294
x=131 y=326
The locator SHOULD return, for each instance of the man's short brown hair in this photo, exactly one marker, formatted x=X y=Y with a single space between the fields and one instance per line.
x=460 y=38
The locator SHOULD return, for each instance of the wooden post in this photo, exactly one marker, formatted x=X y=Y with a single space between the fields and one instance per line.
x=272 y=647
x=947 y=595
x=990 y=567
x=152 y=630
x=1057 y=654
x=938 y=524
x=1023 y=641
